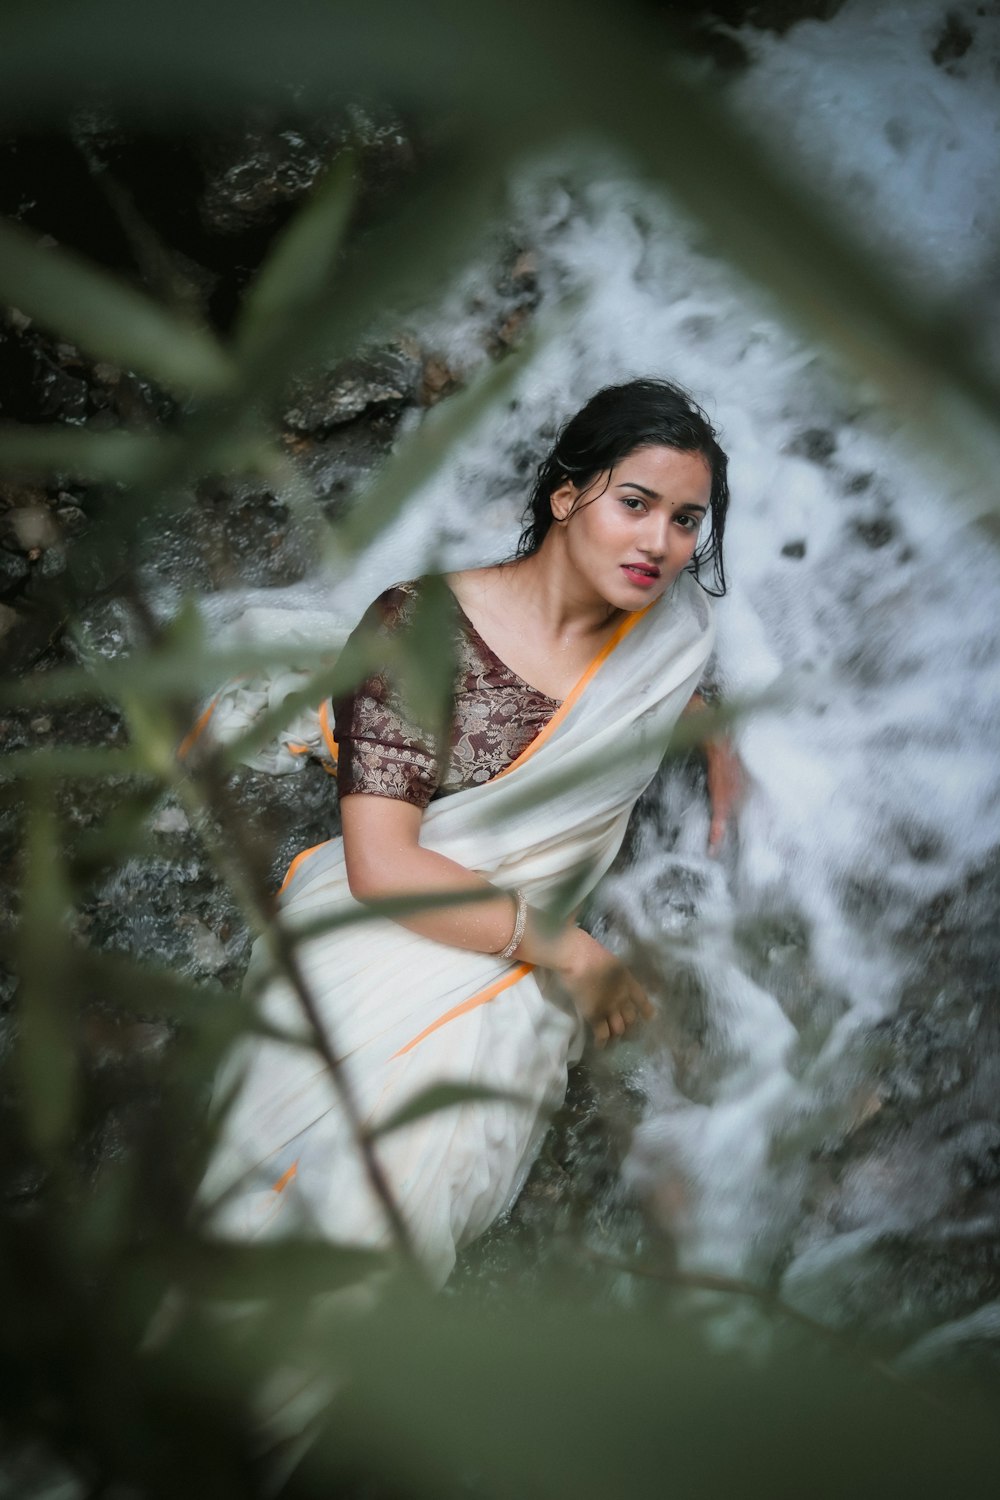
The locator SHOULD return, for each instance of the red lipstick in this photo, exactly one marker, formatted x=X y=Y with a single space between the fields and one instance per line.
x=642 y=575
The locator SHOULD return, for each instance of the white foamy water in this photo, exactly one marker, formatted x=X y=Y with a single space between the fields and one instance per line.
x=860 y=588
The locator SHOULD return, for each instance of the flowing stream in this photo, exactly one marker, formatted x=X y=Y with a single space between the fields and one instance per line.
x=821 y=1088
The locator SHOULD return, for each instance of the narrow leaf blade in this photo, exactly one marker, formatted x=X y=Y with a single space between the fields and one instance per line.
x=440 y=1096
x=298 y=268
x=107 y=318
x=47 y=1048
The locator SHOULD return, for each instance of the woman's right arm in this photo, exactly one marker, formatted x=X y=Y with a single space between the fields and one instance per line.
x=385 y=858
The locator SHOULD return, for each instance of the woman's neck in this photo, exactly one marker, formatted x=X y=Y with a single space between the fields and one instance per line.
x=549 y=590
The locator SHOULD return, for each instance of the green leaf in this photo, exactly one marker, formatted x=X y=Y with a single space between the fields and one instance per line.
x=59 y=762
x=589 y=1395
x=106 y=317
x=440 y=1096
x=297 y=270
x=389 y=906
x=291 y=1270
x=366 y=652
x=576 y=769
x=154 y=673
x=116 y=457
x=122 y=457
x=151 y=991
x=122 y=833
x=47 y=1045
x=427 y=668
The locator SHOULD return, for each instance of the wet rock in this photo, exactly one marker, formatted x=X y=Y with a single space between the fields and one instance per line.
x=10 y=621
x=14 y=567
x=817 y=444
x=439 y=380
x=772 y=15
x=794 y=549
x=171 y=820
x=510 y=333
x=251 y=175
x=953 y=40
x=341 y=462
x=976 y=1149
x=72 y=520
x=60 y=392
x=967 y=1346
x=875 y=533
x=923 y=1060
x=52 y=562
x=208 y=952
x=109 y=1041
x=386 y=378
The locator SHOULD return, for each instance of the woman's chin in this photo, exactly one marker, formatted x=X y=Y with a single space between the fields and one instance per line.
x=634 y=596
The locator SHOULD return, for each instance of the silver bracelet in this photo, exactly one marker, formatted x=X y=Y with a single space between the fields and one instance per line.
x=520 y=921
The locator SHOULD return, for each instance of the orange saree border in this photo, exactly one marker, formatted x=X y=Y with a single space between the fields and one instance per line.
x=326 y=729
x=298 y=860
x=194 y=734
x=570 y=701
x=482 y=997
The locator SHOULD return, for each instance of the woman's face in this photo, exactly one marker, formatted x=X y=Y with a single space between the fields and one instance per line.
x=630 y=532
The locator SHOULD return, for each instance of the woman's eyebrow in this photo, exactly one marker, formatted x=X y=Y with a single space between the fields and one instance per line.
x=630 y=484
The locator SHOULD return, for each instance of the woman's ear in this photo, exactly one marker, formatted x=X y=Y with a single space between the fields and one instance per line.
x=562 y=500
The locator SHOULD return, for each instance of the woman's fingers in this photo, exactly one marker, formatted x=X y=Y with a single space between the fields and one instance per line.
x=607 y=995
x=617 y=1022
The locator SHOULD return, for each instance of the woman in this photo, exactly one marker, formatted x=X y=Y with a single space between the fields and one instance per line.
x=572 y=663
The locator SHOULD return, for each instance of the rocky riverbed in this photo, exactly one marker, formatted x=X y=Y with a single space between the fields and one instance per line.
x=877 y=1203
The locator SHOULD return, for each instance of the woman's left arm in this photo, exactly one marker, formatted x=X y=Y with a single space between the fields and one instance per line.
x=727 y=778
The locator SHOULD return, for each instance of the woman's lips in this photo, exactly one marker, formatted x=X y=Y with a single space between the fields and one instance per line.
x=643 y=578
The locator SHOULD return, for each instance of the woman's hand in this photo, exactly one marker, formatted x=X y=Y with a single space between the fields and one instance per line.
x=607 y=995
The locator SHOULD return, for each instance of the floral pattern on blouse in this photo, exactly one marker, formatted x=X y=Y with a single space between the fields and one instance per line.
x=386 y=753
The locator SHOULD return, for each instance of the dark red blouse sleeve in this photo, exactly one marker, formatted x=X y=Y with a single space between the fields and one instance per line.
x=383 y=751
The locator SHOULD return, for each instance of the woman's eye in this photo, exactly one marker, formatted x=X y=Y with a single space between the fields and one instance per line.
x=632 y=502
x=688 y=522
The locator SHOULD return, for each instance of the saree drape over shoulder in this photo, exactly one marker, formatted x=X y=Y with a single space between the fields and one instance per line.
x=404 y=1012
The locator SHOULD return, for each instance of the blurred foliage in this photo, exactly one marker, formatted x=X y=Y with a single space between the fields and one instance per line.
x=140 y=1356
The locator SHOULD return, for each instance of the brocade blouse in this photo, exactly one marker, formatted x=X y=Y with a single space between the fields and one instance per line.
x=384 y=752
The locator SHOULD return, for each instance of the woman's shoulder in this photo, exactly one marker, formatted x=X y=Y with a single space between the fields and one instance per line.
x=393 y=608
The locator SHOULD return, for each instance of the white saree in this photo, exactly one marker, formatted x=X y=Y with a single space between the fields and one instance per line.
x=404 y=1012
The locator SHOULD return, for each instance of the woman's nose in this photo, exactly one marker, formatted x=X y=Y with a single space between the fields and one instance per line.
x=655 y=535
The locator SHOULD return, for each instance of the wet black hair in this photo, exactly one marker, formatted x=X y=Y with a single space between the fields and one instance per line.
x=614 y=423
